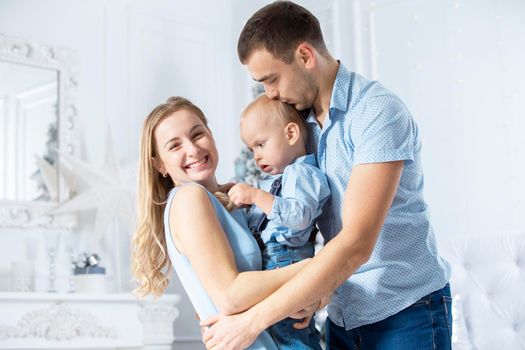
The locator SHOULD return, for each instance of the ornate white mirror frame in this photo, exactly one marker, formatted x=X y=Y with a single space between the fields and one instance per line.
x=24 y=214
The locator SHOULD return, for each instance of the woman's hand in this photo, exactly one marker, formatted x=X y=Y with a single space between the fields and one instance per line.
x=234 y=332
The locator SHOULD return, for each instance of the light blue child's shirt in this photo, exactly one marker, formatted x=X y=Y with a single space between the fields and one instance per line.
x=366 y=123
x=245 y=250
x=304 y=192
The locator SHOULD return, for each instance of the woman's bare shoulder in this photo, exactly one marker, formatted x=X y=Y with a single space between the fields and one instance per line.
x=189 y=199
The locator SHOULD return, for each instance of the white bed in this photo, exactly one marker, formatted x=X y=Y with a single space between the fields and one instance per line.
x=488 y=284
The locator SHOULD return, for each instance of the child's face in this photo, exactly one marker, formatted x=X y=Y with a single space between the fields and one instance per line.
x=267 y=138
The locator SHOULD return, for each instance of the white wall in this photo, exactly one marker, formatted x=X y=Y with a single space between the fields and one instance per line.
x=458 y=65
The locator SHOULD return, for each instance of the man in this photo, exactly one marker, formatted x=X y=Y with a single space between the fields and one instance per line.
x=390 y=287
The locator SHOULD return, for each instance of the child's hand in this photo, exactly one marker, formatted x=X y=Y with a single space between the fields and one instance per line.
x=242 y=193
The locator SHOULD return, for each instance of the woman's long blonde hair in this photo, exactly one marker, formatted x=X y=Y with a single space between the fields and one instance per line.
x=150 y=261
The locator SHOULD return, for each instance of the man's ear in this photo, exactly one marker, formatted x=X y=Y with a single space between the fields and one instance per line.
x=305 y=53
x=157 y=164
x=293 y=132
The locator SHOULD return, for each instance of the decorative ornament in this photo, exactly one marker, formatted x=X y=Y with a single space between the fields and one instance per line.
x=110 y=192
x=246 y=169
x=58 y=322
x=46 y=175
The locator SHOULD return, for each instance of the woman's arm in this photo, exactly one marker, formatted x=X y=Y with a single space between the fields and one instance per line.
x=198 y=235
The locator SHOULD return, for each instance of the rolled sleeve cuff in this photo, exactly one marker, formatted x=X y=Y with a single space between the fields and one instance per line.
x=279 y=205
x=381 y=156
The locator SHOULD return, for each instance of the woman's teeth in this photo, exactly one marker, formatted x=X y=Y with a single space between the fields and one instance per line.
x=196 y=164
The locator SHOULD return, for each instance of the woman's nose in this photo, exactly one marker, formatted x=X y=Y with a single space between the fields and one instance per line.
x=192 y=149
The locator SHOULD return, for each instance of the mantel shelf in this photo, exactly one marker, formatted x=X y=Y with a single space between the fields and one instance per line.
x=109 y=297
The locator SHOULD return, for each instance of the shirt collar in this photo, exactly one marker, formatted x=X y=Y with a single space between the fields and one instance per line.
x=340 y=95
x=307 y=159
x=341 y=89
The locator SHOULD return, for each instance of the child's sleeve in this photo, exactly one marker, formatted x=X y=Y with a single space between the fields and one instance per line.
x=303 y=195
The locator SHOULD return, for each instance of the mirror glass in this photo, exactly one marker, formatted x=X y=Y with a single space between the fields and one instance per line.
x=28 y=132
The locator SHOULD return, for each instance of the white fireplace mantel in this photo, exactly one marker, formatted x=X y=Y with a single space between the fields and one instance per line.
x=86 y=321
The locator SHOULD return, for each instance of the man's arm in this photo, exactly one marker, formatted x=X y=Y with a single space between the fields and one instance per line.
x=368 y=198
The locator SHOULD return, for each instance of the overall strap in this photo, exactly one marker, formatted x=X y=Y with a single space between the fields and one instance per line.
x=263 y=220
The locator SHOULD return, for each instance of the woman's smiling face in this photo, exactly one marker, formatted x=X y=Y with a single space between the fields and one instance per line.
x=186 y=149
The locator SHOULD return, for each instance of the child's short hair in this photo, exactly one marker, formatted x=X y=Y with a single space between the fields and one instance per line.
x=285 y=112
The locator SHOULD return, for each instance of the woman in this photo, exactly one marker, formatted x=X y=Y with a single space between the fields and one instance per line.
x=184 y=214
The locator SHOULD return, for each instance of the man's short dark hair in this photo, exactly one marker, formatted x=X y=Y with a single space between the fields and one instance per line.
x=279 y=28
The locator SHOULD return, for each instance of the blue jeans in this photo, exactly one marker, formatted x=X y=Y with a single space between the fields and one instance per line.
x=276 y=255
x=424 y=325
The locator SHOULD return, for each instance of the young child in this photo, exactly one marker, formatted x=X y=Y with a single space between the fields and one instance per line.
x=286 y=203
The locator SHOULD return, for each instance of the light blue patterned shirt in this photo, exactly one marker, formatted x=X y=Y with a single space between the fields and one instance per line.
x=368 y=124
x=303 y=194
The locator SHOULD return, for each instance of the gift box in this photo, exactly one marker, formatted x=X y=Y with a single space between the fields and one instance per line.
x=89 y=277
x=90 y=270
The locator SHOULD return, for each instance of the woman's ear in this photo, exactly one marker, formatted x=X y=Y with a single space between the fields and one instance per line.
x=157 y=164
x=293 y=132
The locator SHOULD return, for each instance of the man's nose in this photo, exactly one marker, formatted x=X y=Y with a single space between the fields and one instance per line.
x=272 y=94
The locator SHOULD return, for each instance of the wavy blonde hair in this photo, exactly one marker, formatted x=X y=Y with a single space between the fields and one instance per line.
x=150 y=262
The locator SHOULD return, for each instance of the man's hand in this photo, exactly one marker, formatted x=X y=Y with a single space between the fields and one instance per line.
x=242 y=194
x=306 y=314
x=230 y=332
x=324 y=301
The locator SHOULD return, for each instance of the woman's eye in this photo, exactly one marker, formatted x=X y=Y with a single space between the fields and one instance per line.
x=173 y=146
x=197 y=135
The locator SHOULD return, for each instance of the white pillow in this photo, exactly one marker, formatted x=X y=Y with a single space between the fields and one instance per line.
x=460 y=337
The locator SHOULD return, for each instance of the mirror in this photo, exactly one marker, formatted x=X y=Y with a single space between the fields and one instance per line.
x=28 y=118
x=37 y=117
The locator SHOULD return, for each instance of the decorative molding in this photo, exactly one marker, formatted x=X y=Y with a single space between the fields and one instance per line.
x=157 y=317
x=58 y=322
x=22 y=214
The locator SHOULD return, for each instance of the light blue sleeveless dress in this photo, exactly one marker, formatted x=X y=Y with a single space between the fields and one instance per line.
x=245 y=250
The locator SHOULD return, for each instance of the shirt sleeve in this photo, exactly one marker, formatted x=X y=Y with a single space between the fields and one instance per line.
x=383 y=132
x=304 y=192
